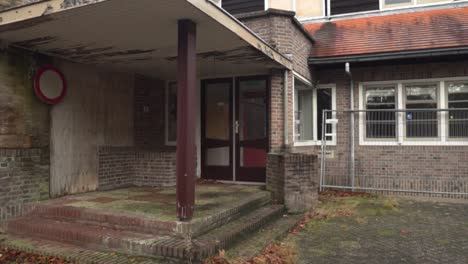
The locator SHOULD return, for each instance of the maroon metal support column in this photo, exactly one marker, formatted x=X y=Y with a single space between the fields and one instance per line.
x=186 y=150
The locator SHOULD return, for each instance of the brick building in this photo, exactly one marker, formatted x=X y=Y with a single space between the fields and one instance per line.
x=265 y=71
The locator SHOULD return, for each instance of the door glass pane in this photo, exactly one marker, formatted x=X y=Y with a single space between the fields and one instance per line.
x=217 y=156
x=253 y=123
x=218 y=107
x=252 y=110
x=253 y=157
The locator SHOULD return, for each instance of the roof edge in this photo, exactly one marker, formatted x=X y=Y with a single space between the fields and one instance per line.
x=384 y=56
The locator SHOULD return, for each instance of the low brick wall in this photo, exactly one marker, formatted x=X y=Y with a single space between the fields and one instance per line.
x=155 y=168
x=24 y=178
x=116 y=167
x=293 y=179
x=127 y=166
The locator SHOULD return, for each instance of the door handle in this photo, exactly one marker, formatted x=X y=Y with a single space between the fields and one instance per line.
x=236 y=127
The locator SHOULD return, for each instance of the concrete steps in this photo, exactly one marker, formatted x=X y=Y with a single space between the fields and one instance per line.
x=148 y=225
x=136 y=235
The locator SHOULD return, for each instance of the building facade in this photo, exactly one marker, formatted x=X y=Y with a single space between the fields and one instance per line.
x=266 y=71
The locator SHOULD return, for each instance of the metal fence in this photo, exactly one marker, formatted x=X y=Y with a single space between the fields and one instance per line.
x=412 y=151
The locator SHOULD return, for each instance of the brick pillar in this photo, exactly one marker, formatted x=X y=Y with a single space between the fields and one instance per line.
x=293 y=179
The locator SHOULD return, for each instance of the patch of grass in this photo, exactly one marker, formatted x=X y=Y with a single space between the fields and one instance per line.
x=442 y=242
x=386 y=232
x=350 y=245
x=320 y=252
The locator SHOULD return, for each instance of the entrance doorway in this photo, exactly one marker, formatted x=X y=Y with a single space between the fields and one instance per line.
x=235 y=129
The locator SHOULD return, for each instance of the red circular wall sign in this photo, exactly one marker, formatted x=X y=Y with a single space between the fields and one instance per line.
x=50 y=85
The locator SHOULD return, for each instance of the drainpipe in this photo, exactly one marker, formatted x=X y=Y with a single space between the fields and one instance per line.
x=285 y=98
x=352 y=159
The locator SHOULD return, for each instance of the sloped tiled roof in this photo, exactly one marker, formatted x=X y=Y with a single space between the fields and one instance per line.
x=434 y=29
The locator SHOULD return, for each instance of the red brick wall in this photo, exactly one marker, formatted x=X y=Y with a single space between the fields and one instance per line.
x=150 y=124
x=155 y=168
x=445 y=168
x=127 y=166
x=293 y=180
x=280 y=31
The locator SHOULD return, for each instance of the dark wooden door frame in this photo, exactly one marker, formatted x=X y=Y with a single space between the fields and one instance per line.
x=255 y=175
x=207 y=172
x=216 y=172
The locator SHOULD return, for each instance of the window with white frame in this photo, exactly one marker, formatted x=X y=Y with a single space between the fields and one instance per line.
x=309 y=104
x=433 y=111
x=421 y=123
x=308 y=8
x=380 y=120
x=171 y=113
x=303 y=111
x=457 y=102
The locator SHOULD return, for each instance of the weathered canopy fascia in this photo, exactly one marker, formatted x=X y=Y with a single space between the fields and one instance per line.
x=137 y=35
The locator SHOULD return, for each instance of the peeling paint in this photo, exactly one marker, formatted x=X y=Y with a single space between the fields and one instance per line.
x=74 y=3
x=30 y=43
x=239 y=55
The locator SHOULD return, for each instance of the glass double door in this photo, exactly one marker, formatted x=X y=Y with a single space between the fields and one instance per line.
x=235 y=129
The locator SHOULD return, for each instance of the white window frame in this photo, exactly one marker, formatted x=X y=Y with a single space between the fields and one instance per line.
x=397 y=93
x=166 y=115
x=445 y=129
x=315 y=141
x=415 y=3
x=442 y=102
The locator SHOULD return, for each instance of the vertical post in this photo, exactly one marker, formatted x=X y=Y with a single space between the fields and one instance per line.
x=186 y=150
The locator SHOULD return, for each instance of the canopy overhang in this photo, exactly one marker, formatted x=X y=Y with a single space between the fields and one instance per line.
x=138 y=36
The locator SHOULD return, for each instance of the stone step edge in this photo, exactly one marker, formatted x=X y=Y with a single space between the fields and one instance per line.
x=225 y=236
x=140 y=223
x=200 y=226
x=140 y=244
x=72 y=253
x=105 y=239
x=116 y=221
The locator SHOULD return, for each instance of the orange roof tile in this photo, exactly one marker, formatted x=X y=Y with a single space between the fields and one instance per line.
x=444 y=28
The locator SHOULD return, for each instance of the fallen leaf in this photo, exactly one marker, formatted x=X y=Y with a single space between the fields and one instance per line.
x=404 y=232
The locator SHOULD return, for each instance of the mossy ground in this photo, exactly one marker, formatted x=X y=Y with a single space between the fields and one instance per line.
x=383 y=229
x=160 y=203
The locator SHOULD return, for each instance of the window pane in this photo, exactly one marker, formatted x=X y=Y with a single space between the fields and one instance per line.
x=430 y=1
x=421 y=124
x=324 y=102
x=218 y=107
x=458 y=119
x=395 y=3
x=380 y=124
x=338 y=7
x=303 y=111
x=172 y=112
